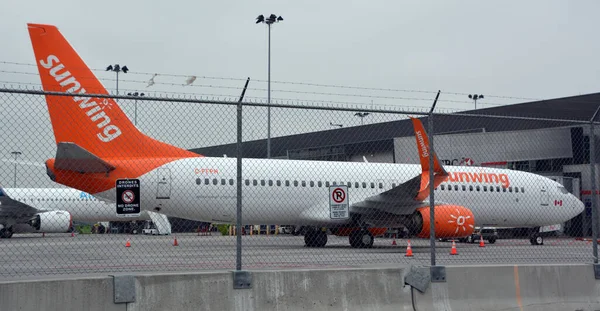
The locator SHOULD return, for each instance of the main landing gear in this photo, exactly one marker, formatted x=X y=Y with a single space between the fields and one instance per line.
x=358 y=238
x=6 y=233
x=315 y=237
x=361 y=239
x=536 y=239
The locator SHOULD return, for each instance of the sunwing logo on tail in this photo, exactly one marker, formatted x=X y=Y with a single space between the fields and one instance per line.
x=92 y=109
x=422 y=144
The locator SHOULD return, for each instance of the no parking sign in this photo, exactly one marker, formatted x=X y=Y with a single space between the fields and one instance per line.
x=338 y=202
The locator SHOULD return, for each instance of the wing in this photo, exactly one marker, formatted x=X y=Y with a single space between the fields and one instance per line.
x=12 y=211
x=405 y=198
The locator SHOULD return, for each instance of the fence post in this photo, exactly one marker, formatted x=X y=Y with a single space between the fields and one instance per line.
x=593 y=194
x=238 y=247
x=431 y=183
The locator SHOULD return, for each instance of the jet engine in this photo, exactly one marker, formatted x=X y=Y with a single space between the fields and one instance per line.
x=451 y=221
x=52 y=221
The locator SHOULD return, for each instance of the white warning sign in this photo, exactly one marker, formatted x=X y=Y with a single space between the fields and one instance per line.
x=338 y=202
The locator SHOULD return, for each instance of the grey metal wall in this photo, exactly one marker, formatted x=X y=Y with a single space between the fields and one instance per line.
x=485 y=148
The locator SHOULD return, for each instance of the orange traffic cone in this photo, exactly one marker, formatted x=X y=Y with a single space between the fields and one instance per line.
x=453 y=251
x=175 y=242
x=481 y=244
x=409 y=252
x=72 y=233
x=394 y=241
x=128 y=244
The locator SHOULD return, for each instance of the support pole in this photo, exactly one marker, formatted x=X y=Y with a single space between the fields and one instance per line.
x=594 y=190
x=431 y=183
x=238 y=248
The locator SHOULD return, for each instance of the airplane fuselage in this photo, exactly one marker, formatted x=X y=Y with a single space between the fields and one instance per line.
x=296 y=192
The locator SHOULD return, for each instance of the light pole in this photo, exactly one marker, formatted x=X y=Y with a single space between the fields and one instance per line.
x=475 y=97
x=117 y=68
x=16 y=154
x=270 y=20
x=136 y=94
x=361 y=115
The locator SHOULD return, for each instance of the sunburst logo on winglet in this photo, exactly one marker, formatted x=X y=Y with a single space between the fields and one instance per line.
x=460 y=221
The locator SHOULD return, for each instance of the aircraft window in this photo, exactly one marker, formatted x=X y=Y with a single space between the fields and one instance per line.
x=443 y=187
x=198 y=182
x=295 y=183
x=231 y=182
x=278 y=182
x=503 y=189
x=320 y=184
x=517 y=189
x=455 y=187
x=349 y=184
x=380 y=185
x=206 y=181
x=497 y=188
x=491 y=188
x=485 y=188
x=372 y=185
x=287 y=183
x=254 y=182
x=270 y=183
x=247 y=182
x=562 y=190
x=334 y=183
x=393 y=185
x=326 y=184
x=223 y=181
x=509 y=189
x=364 y=184
x=312 y=183
x=303 y=183
x=262 y=182
x=449 y=187
x=477 y=188
x=523 y=189
x=215 y=181
x=464 y=188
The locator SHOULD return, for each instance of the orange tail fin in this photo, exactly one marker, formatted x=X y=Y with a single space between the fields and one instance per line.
x=96 y=124
x=439 y=173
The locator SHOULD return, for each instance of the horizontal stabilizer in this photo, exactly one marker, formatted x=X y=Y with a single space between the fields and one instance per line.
x=71 y=157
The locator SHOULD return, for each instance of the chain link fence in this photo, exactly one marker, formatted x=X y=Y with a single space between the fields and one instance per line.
x=341 y=187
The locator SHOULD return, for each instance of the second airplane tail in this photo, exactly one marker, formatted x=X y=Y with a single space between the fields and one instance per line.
x=96 y=124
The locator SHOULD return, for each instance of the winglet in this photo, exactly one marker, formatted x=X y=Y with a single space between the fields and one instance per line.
x=440 y=174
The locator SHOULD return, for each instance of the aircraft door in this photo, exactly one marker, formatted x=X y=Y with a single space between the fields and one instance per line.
x=163 y=190
x=544 y=196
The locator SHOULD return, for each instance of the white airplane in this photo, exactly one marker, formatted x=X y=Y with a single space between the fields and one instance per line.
x=49 y=210
x=97 y=145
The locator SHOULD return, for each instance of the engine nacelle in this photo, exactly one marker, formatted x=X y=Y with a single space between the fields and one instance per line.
x=52 y=221
x=451 y=221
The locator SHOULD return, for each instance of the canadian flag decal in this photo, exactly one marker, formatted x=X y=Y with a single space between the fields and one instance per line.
x=557 y=202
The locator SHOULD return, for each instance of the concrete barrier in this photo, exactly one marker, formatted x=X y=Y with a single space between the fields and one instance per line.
x=524 y=287
x=338 y=289
x=86 y=293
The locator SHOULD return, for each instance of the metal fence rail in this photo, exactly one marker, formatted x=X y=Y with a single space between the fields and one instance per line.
x=334 y=193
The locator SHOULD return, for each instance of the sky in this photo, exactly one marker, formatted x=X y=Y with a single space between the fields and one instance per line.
x=388 y=54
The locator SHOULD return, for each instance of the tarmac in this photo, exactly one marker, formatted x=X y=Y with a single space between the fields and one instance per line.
x=34 y=256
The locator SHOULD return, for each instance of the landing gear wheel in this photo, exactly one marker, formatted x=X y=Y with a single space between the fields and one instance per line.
x=315 y=238
x=361 y=239
x=6 y=233
x=536 y=240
